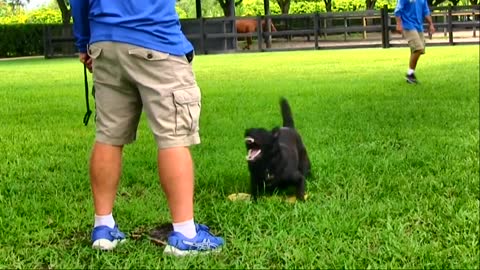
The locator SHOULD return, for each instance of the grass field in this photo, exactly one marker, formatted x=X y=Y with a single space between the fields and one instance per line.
x=396 y=170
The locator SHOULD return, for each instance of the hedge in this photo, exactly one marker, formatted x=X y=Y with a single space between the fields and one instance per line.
x=21 y=40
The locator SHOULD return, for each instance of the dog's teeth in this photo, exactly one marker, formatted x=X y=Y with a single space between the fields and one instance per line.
x=253 y=153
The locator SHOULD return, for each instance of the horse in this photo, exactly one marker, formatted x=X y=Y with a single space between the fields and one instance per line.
x=250 y=26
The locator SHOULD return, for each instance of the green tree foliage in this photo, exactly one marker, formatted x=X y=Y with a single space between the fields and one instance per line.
x=43 y=15
x=435 y=2
x=52 y=13
x=181 y=13
x=255 y=8
x=307 y=7
x=210 y=8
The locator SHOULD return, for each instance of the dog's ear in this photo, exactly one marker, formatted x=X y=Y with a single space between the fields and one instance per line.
x=275 y=132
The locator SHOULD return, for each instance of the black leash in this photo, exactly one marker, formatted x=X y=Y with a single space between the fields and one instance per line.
x=89 y=112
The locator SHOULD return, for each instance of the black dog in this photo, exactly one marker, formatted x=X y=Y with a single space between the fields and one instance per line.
x=277 y=158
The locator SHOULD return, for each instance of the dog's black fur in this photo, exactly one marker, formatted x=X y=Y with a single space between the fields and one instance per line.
x=277 y=158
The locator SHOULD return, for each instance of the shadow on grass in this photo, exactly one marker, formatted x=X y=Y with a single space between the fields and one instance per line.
x=157 y=235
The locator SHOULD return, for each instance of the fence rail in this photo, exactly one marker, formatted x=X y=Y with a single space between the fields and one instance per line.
x=372 y=28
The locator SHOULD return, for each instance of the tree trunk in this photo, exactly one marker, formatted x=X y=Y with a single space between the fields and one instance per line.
x=225 y=4
x=284 y=6
x=328 y=5
x=66 y=13
x=15 y=4
x=370 y=4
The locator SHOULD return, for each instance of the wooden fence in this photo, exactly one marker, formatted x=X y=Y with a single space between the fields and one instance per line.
x=360 y=29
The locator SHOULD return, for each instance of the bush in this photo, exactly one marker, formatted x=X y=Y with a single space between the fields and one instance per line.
x=21 y=40
x=306 y=7
x=14 y=18
x=342 y=6
x=181 y=13
x=255 y=8
x=45 y=16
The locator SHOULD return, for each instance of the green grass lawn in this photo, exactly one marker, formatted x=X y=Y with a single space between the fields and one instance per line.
x=395 y=165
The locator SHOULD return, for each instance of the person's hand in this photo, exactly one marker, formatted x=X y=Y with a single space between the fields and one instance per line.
x=399 y=28
x=85 y=59
x=431 y=29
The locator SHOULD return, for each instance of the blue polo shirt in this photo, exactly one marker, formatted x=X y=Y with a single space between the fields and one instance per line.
x=412 y=13
x=151 y=24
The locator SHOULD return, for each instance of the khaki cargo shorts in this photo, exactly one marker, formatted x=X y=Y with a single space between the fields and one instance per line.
x=129 y=78
x=416 y=40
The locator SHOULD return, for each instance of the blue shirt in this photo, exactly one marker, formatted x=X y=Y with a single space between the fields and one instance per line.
x=152 y=24
x=412 y=13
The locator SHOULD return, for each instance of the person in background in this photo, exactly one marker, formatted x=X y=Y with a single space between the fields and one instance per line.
x=141 y=59
x=410 y=15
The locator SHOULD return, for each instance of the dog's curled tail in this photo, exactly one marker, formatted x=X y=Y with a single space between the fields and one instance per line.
x=286 y=113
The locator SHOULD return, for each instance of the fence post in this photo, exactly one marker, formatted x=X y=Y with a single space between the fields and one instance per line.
x=268 y=21
x=201 y=20
x=316 y=29
x=259 y=33
x=45 y=41
x=49 y=48
x=450 y=26
x=364 y=22
x=385 y=25
x=474 y=25
x=444 y=29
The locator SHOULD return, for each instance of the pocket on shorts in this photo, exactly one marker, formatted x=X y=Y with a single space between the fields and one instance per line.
x=187 y=111
x=149 y=55
x=94 y=52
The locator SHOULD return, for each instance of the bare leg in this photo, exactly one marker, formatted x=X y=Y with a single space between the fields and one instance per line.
x=414 y=56
x=105 y=170
x=175 y=167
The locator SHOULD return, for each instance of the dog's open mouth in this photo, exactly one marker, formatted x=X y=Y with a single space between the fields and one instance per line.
x=253 y=154
x=254 y=151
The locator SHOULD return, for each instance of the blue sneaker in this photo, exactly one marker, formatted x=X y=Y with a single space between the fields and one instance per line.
x=106 y=238
x=201 y=227
x=203 y=242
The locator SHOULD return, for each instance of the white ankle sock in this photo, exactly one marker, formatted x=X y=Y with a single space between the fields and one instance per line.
x=187 y=228
x=410 y=71
x=106 y=220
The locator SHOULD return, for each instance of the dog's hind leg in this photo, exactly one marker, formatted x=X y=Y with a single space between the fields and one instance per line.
x=304 y=164
x=300 y=185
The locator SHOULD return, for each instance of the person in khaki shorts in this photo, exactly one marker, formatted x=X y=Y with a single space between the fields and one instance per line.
x=410 y=15
x=141 y=60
